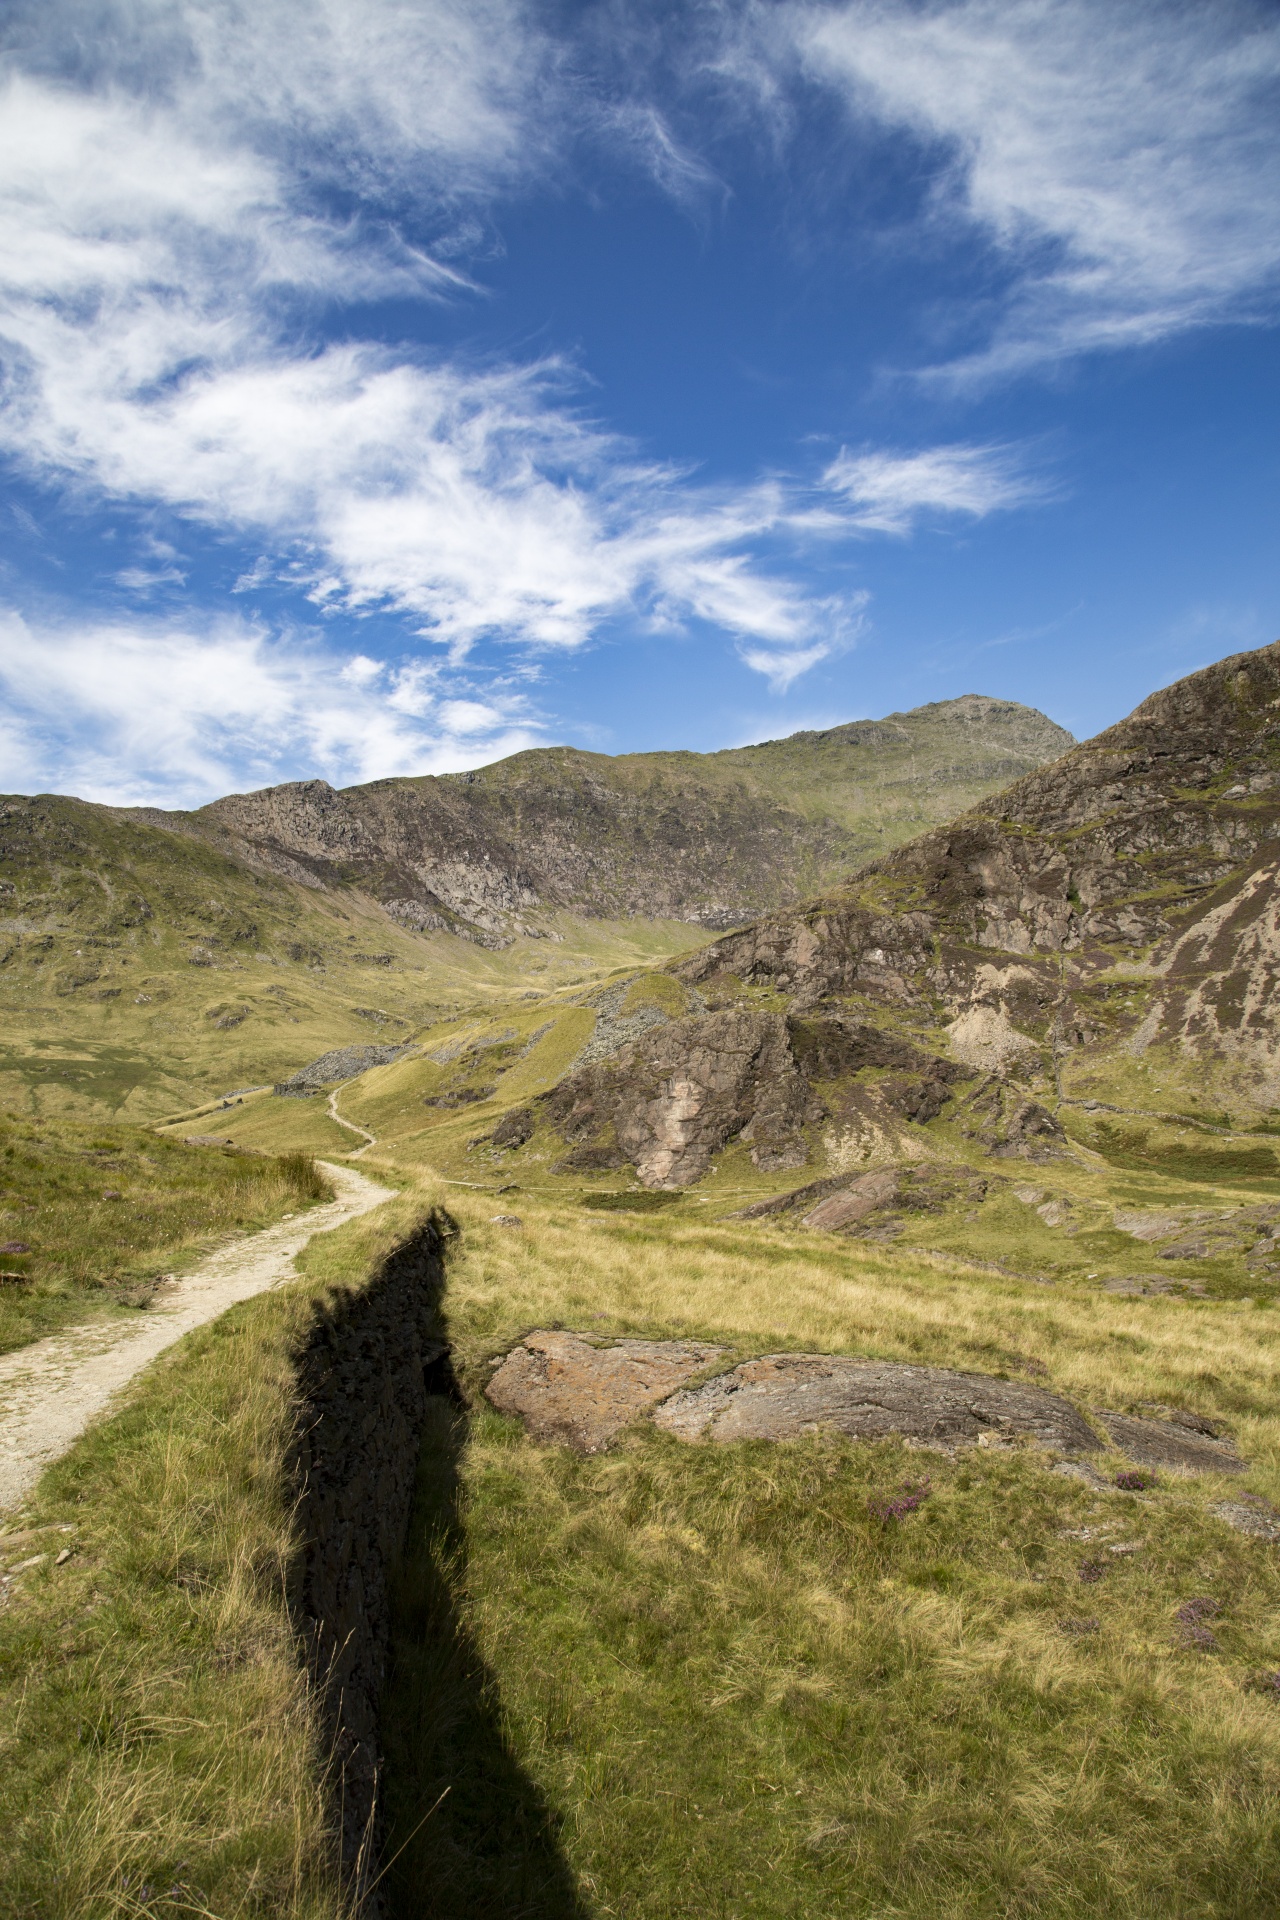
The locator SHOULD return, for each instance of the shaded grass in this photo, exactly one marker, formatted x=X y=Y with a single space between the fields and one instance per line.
x=106 y=1211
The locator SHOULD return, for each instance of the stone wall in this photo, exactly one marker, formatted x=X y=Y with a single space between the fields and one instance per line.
x=365 y=1371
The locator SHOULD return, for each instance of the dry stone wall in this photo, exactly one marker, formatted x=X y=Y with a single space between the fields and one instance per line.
x=371 y=1361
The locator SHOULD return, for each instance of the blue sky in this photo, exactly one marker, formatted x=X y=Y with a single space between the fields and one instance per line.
x=386 y=385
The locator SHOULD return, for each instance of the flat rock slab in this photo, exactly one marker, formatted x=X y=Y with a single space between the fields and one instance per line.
x=1163 y=1443
x=582 y=1391
x=784 y=1395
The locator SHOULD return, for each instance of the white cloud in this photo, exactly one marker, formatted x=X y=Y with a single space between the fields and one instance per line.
x=174 y=715
x=146 y=281
x=781 y=669
x=1123 y=156
x=890 y=492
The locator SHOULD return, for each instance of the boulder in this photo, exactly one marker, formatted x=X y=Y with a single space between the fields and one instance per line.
x=581 y=1390
x=784 y=1395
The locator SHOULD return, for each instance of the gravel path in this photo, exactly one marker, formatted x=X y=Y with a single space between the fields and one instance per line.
x=370 y=1140
x=51 y=1390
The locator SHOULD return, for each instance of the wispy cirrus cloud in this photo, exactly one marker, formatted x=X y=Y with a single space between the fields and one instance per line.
x=891 y=492
x=172 y=714
x=1120 y=158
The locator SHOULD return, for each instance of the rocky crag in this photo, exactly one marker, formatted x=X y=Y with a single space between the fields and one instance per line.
x=1125 y=896
x=1118 y=904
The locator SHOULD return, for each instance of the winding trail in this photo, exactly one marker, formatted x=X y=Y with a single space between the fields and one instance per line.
x=51 y=1390
x=370 y=1140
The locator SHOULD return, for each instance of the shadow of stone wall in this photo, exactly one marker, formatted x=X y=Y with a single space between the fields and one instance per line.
x=370 y=1366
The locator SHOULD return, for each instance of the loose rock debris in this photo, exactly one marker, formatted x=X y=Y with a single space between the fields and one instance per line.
x=577 y=1389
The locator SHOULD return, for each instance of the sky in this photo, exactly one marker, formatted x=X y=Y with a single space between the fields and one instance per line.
x=387 y=386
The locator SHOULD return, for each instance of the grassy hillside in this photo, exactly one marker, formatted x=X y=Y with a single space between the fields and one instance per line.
x=669 y=1680
x=676 y=1680
x=94 y=1219
x=143 y=973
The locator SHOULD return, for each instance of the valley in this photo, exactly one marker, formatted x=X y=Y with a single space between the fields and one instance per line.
x=969 y=1134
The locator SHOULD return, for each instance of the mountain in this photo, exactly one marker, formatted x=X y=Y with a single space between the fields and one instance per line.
x=709 y=839
x=1124 y=898
x=1103 y=934
x=149 y=960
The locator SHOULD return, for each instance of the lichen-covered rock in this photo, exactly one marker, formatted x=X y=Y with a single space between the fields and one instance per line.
x=582 y=1391
x=784 y=1395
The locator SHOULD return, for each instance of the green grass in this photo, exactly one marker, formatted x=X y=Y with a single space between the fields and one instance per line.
x=108 y=1211
x=159 y=1747
x=710 y=1680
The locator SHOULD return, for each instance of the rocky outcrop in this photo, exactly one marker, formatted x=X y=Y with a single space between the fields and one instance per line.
x=784 y=1395
x=342 y=1063
x=873 y=1205
x=674 y=1097
x=1153 y=844
x=582 y=1391
x=1180 y=1444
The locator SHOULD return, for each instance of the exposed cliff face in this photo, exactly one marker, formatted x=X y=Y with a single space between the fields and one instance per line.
x=707 y=838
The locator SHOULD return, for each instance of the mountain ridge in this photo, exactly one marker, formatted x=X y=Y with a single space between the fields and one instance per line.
x=710 y=839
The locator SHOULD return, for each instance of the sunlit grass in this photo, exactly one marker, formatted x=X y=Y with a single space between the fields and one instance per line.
x=105 y=1212
x=725 y=1686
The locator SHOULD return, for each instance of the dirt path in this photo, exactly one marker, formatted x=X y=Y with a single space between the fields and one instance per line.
x=51 y=1390
x=370 y=1140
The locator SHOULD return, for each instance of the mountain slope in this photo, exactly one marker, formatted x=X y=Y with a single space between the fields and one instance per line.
x=1122 y=901
x=151 y=960
x=1105 y=934
x=712 y=839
